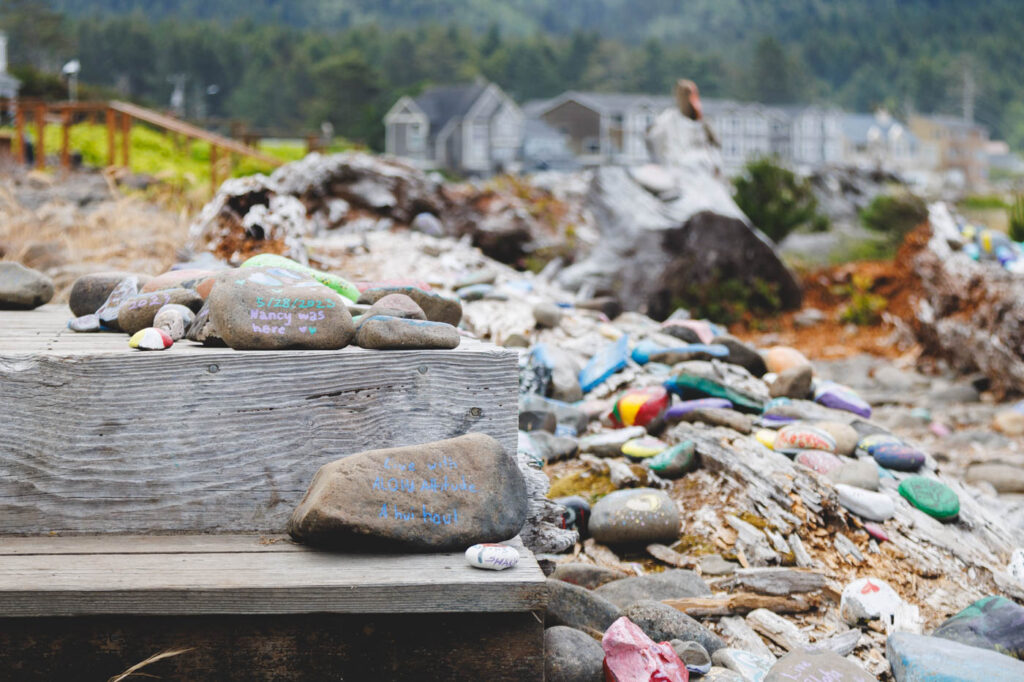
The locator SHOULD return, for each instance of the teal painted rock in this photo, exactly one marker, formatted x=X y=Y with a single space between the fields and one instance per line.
x=675 y=461
x=689 y=386
x=916 y=658
x=270 y=260
x=990 y=623
x=933 y=498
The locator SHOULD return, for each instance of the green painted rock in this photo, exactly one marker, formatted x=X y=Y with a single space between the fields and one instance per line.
x=933 y=498
x=270 y=260
x=675 y=461
x=699 y=379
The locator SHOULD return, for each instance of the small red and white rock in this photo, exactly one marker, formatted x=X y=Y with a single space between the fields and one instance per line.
x=151 y=338
x=868 y=599
x=493 y=556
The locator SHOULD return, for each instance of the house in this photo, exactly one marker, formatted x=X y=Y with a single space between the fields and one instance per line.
x=473 y=128
x=8 y=84
x=545 y=148
x=878 y=140
x=953 y=146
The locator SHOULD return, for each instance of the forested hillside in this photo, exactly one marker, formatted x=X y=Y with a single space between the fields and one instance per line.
x=298 y=62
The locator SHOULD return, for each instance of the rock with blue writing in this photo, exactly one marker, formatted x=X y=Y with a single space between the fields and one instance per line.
x=493 y=556
x=638 y=516
x=138 y=312
x=917 y=658
x=23 y=288
x=108 y=312
x=865 y=503
x=339 y=284
x=437 y=496
x=396 y=305
x=436 y=307
x=278 y=309
x=381 y=332
x=90 y=292
x=839 y=397
x=609 y=360
x=930 y=496
x=816 y=666
x=85 y=324
x=897 y=456
x=663 y=623
x=992 y=622
x=174 y=319
x=571 y=655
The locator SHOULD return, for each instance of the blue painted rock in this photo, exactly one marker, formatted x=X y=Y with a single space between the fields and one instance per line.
x=803 y=437
x=868 y=599
x=648 y=351
x=609 y=360
x=674 y=461
x=638 y=516
x=492 y=556
x=675 y=412
x=23 y=288
x=138 y=312
x=577 y=513
x=85 y=323
x=339 y=284
x=916 y=658
x=127 y=288
x=865 y=444
x=437 y=308
x=930 y=496
x=839 y=397
x=897 y=456
x=865 y=503
x=819 y=460
x=381 y=332
x=277 y=309
x=643 y=447
x=91 y=291
x=816 y=666
x=990 y=623
x=474 y=292
x=174 y=319
x=640 y=406
x=150 y=339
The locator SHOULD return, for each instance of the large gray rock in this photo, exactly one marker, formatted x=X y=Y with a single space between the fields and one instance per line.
x=634 y=517
x=579 y=607
x=662 y=623
x=572 y=656
x=90 y=291
x=22 y=288
x=588 y=576
x=382 y=332
x=438 y=496
x=674 y=583
x=436 y=307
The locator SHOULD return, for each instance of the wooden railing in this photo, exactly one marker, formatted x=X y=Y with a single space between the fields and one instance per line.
x=121 y=115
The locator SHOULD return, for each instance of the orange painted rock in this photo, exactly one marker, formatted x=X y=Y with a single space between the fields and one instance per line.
x=780 y=358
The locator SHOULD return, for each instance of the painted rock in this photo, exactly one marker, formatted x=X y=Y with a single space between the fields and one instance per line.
x=802 y=437
x=930 y=496
x=876 y=531
x=436 y=307
x=816 y=666
x=819 y=460
x=692 y=331
x=577 y=512
x=176 y=279
x=474 y=292
x=381 y=332
x=916 y=658
x=492 y=556
x=201 y=330
x=674 y=461
x=138 y=312
x=126 y=289
x=780 y=358
x=648 y=351
x=643 y=447
x=609 y=360
x=839 y=397
x=91 y=291
x=630 y=655
x=676 y=411
x=690 y=386
x=396 y=305
x=640 y=406
x=269 y=260
x=748 y=665
x=868 y=599
x=151 y=339
x=637 y=516
x=85 y=323
x=766 y=437
x=897 y=456
x=992 y=622
x=278 y=309
x=174 y=319
x=844 y=435
x=435 y=496
x=23 y=288
x=865 y=503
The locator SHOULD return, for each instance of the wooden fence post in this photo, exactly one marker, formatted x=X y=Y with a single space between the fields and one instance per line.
x=19 y=131
x=40 y=126
x=111 y=137
x=213 y=168
x=126 y=140
x=65 y=139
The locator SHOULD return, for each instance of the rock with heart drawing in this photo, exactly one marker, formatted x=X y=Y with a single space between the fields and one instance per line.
x=278 y=309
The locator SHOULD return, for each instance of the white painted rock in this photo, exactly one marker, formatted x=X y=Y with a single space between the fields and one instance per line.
x=1017 y=565
x=495 y=557
x=869 y=599
x=865 y=503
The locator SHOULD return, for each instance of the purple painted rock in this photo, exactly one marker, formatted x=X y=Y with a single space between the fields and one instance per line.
x=839 y=397
x=675 y=412
x=819 y=460
x=126 y=289
x=816 y=666
x=802 y=437
x=139 y=312
x=897 y=456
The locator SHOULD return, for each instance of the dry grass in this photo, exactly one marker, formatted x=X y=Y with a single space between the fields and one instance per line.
x=134 y=670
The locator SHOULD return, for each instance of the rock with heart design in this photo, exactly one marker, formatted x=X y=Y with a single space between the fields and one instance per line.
x=931 y=496
x=640 y=406
x=382 y=332
x=839 y=397
x=278 y=309
x=867 y=599
x=897 y=456
x=138 y=312
x=436 y=307
x=339 y=284
x=795 y=437
x=818 y=460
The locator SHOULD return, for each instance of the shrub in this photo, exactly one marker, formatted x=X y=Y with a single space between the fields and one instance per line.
x=1017 y=220
x=776 y=200
x=894 y=214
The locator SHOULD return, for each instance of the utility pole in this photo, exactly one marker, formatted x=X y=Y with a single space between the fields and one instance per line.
x=969 y=94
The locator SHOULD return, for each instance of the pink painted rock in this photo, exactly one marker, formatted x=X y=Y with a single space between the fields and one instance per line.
x=780 y=358
x=819 y=460
x=632 y=656
x=802 y=437
x=876 y=531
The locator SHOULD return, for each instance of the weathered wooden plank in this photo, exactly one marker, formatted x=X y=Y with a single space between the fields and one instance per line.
x=102 y=439
x=485 y=646
x=165 y=580
x=146 y=544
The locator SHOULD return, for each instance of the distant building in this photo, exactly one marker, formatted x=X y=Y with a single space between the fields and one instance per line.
x=473 y=128
x=545 y=148
x=953 y=146
x=879 y=141
x=8 y=84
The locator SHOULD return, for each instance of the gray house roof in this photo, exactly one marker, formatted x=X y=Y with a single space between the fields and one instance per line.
x=443 y=103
